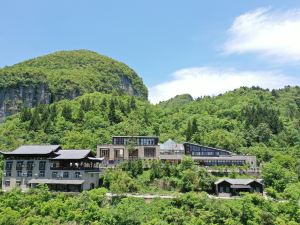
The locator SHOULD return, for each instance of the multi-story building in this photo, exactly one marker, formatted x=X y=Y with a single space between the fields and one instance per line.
x=61 y=170
x=144 y=147
x=129 y=147
x=208 y=156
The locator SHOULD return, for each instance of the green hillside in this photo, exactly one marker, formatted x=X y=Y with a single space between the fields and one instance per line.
x=177 y=102
x=247 y=120
x=243 y=119
x=85 y=70
x=64 y=75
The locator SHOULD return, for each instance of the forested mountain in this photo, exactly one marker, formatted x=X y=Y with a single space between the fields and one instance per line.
x=64 y=75
x=247 y=120
x=238 y=120
x=79 y=99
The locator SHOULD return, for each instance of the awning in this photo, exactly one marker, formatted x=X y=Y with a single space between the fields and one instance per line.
x=240 y=186
x=54 y=181
x=96 y=159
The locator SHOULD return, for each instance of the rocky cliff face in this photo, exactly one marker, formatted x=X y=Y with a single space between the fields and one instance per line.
x=64 y=75
x=15 y=98
x=12 y=99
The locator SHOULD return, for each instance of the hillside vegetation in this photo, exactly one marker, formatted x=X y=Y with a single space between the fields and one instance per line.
x=43 y=207
x=247 y=120
x=64 y=75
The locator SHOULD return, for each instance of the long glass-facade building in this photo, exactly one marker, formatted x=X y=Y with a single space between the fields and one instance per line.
x=209 y=156
x=148 y=147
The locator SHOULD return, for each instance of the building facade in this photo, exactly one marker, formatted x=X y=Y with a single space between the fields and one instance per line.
x=171 y=151
x=147 y=147
x=129 y=147
x=61 y=170
x=208 y=156
x=232 y=187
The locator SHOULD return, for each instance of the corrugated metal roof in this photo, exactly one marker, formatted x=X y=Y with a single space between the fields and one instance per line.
x=54 y=181
x=34 y=150
x=239 y=181
x=72 y=154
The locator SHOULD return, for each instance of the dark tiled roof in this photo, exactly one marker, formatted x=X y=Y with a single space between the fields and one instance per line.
x=72 y=154
x=239 y=181
x=34 y=150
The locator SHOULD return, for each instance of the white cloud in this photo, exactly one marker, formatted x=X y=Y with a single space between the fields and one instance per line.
x=209 y=81
x=267 y=32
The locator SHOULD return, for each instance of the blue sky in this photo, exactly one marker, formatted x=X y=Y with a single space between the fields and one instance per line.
x=203 y=48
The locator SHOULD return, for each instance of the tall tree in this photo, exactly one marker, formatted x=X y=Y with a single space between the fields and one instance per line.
x=25 y=115
x=35 y=121
x=112 y=116
x=188 y=132
x=67 y=112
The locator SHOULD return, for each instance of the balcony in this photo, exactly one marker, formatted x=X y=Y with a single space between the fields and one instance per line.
x=87 y=169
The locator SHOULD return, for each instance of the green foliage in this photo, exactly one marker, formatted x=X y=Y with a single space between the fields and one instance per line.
x=67 y=112
x=119 y=181
x=278 y=175
x=247 y=120
x=40 y=206
x=66 y=75
x=176 y=102
x=134 y=167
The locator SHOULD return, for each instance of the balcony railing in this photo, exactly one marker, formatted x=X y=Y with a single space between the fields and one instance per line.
x=75 y=168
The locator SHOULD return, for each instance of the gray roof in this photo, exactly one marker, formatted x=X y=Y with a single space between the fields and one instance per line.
x=72 y=154
x=34 y=150
x=171 y=145
x=239 y=181
x=135 y=136
x=54 y=181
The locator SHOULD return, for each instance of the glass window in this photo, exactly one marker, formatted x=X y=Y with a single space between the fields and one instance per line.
x=8 y=165
x=77 y=174
x=29 y=173
x=42 y=173
x=104 y=153
x=42 y=165
x=119 y=153
x=149 y=152
x=8 y=173
x=66 y=174
x=19 y=173
x=29 y=165
x=19 y=165
x=54 y=174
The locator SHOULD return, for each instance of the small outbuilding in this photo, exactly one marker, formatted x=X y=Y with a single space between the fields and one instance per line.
x=232 y=187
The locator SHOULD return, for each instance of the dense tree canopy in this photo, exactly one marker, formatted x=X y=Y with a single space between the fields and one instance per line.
x=247 y=120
